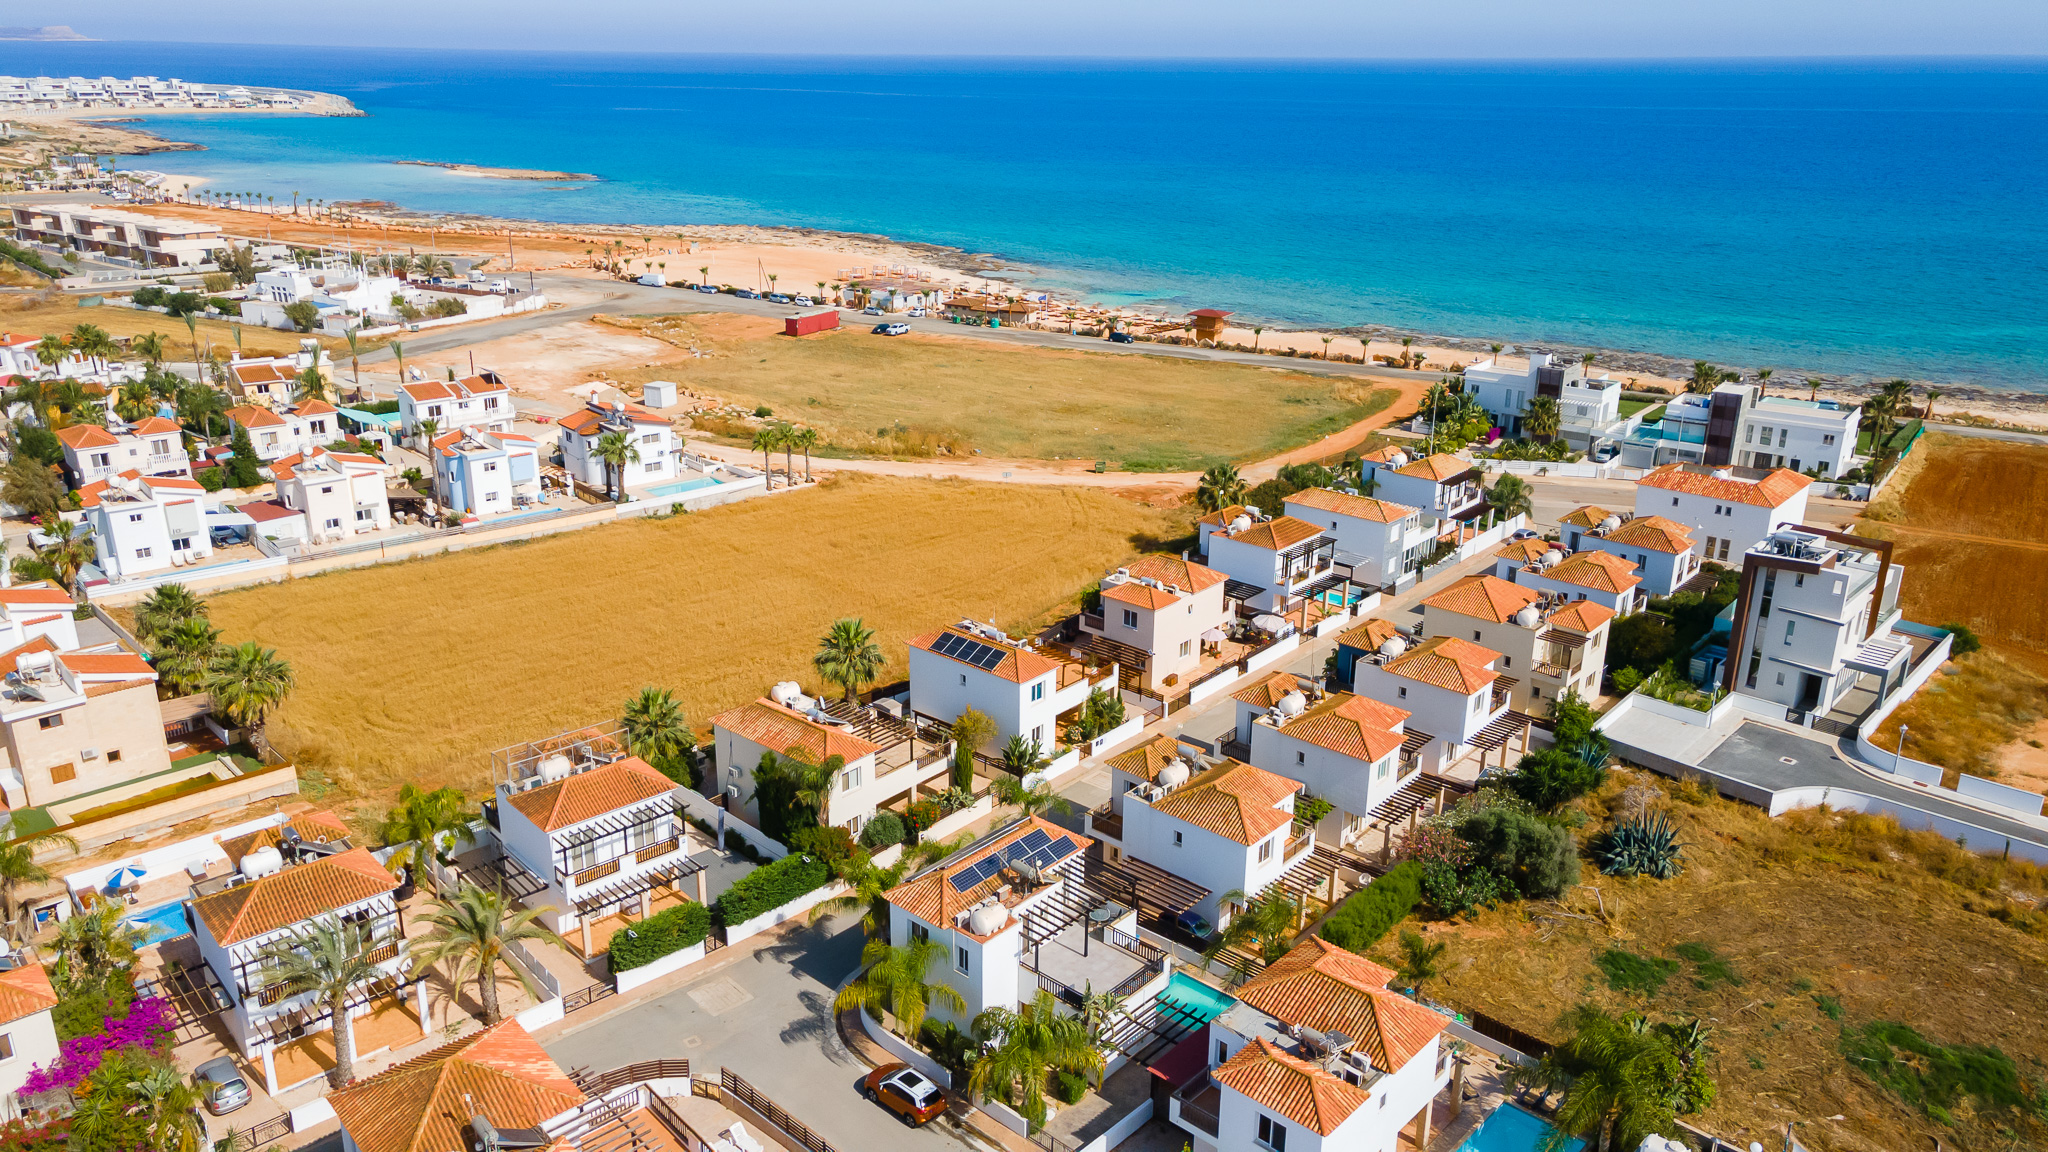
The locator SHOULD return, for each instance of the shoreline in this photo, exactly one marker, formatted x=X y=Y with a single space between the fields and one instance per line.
x=501 y=173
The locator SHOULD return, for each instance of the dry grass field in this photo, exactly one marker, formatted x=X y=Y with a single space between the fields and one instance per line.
x=40 y=316
x=1826 y=922
x=912 y=394
x=416 y=671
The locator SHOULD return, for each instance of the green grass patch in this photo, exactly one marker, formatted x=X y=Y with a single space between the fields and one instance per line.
x=1709 y=968
x=1931 y=1076
x=1830 y=1006
x=1628 y=972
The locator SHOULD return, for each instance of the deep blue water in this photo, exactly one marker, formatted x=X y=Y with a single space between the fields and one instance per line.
x=1881 y=217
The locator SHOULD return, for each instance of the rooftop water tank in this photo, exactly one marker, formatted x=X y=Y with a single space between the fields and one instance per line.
x=987 y=919
x=1611 y=523
x=1398 y=460
x=786 y=693
x=1174 y=774
x=262 y=862
x=1528 y=617
x=1393 y=646
x=1553 y=558
x=1293 y=704
x=553 y=768
x=1240 y=524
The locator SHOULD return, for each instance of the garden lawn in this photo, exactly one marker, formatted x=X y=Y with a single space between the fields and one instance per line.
x=416 y=671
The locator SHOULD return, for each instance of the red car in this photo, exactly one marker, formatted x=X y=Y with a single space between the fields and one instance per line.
x=539 y=419
x=904 y=1090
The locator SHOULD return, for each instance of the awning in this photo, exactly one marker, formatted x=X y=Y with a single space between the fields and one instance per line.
x=1878 y=656
x=229 y=520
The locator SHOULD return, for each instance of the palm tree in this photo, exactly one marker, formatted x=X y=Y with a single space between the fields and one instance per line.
x=172 y=1104
x=192 y=330
x=134 y=402
x=1621 y=1081
x=184 y=654
x=1586 y=363
x=848 y=656
x=328 y=958
x=656 y=730
x=398 y=351
x=799 y=780
x=426 y=430
x=51 y=351
x=1029 y=801
x=474 y=929
x=164 y=608
x=355 y=363
x=248 y=681
x=1025 y=1047
x=94 y=344
x=70 y=549
x=1097 y=1010
x=1933 y=394
x=18 y=867
x=805 y=438
x=1420 y=959
x=1326 y=347
x=1510 y=496
x=1542 y=418
x=704 y=273
x=766 y=440
x=1268 y=922
x=615 y=450
x=897 y=980
x=1704 y=377
x=869 y=883
x=1257 y=331
x=1022 y=757
x=1219 y=488
x=33 y=487
x=150 y=347
x=424 y=823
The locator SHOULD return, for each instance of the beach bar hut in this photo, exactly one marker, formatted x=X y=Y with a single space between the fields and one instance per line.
x=1208 y=323
x=805 y=323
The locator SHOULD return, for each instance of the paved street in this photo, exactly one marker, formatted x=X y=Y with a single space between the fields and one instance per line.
x=767 y=1016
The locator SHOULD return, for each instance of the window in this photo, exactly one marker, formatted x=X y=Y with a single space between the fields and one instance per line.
x=1273 y=1134
x=960 y=959
x=1404 y=692
x=100 y=460
x=1828 y=438
x=491 y=466
x=327 y=490
x=334 y=521
x=142 y=553
x=1535 y=692
x=114 y=757
x=1674 y=501
x=1038 y=690
x=650 y=438
x=1130 y=618
x=651 y=466
x=920 y=932
x=434 y=412
x=849 y=779
x=1783 y=435
x=963 y=678
x=1724 y=549
x=1222 y=1052
x=1781 y=679
x=1475 y=633
x=1300 y=757
x=6 y=1046
x=319 y=427
x=582 y=856
x=1789 y=626
x=363 y=514
x=1799 y=579
x=1507 y=661
x=1266 y=849
x=490 y=403
x=1749 y=434
x=1795 y=463
x=1178 y=837
x=135 y=517
x=63 y=773
x=49 y=722
x=1187 y=647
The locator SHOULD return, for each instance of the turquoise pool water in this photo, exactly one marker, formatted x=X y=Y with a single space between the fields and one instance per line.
x=1510 y=1129
x=161 y=923
x=678 y=487
x=1197 y=997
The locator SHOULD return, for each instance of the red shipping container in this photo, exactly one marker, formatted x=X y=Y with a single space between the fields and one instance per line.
x=807 y=323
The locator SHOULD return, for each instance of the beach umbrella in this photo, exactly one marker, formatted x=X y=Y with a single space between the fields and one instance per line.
x=125 y=875
x=1269 y=623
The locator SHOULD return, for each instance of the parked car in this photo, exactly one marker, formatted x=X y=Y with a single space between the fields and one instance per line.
x=905 y=1091
x=778 y=298
x=1602 y=453
x=711 y=288
x=879 y=330
x=802 y=301
x=1194 y=924
x=896 y=329
x=746 y=293
x=1525 y=534
x=871 y=310
x=220 y=1083
x=917 y=312
x=540 y=419
x=1122 y=338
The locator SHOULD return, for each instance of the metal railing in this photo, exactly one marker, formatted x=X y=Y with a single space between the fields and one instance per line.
x=268 y=1132
x=639 y=1072
x=732 y=1085
x=539 y=971
x=1297 y=845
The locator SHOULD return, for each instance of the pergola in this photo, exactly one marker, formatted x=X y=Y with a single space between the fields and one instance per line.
x=640 y=886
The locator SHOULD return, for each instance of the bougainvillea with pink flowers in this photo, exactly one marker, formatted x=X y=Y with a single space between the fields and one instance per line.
x=148 y=1026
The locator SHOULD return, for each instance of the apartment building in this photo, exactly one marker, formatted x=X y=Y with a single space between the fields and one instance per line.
x=486 y=474
x=339 y=493
x=1156 y=616
x=657 y=453
x=1388 y=540
x=1589 y=406
x=1353 y=751
x=270 y=381
x=76 y=721
x=1450 y=689
x=151 y=447
x=1729 y=510
x=1229 y=829
x=1661 y=549
x=1025 y=689
x=1814 y=614
x=143 y=524
x=1280 y=557
x=1442 y=486
x=481 y=401
x=1602 y=578
x=276 y=433
x=1551 y=643
x=1802 y=435
x=98 y=230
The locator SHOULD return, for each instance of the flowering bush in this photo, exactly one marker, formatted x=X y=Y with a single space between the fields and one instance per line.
x=1435 y=844
x=922 y=814
x=147 y=1025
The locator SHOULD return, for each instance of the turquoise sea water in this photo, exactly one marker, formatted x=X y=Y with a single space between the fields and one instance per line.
x=1869 y=216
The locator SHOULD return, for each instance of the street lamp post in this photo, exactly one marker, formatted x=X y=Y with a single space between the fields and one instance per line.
x=1899 y=753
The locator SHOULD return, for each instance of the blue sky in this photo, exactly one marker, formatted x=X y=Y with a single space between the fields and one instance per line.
x=1123 y=28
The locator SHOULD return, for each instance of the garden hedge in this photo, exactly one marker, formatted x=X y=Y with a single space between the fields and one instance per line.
x=658 y=935
x=772 y=886
x=1368 y=913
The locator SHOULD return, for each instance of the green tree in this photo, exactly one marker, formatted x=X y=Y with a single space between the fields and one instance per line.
x=18 y=867
x=972 y=731
x=425 y=823
x=1421 y=960
x=805 y=439
x=169 y=1103
x=657 y=732
x=1269 y=922
x=1642 y=641
x=848 y=657
x=1101 y=712
x=616 y=450
x=164 y=608
x=1549 y=777
x=473 y=929
x=897 y=980
x=1025 y=1046
x=1219 y=488
x=766 y=440
x=1539 y=858
x=248 y=681
x=303 y=314
x=1511 y=496
x=328 y=958
x=1705 y=377
x=32 y=486
x=184 y=654
x=1023 y=757
x=1622 y=1081
x=1542 y=418
x=133 y=403
x=69 y=549
x=92 y=342
x=1029 y=801
x=243 y=463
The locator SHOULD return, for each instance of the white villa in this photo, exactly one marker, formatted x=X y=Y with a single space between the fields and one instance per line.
x=1450 y=689
x=1228 y=829
x=1023 y=688
x=1155 y=617
x=656 y=451
x=1387 y=541
x=28 y=1038
x=276 y=433
x=881 y=758
x=1588 y=406
x=1815 y=614
x=1552 y=643
x=1729 y=510
x=1661 y=548
x=480 y=401
x=1442 y=486
x=1279 y=556
x=339 y=493
x=1352 y=751
x=151 y=447
x=1598 y=576
x=143 y=524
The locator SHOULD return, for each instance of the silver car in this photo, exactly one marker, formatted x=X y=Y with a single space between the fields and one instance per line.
x=221 y=1083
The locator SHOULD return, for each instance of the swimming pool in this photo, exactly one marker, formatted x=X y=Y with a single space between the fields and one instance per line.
x=1510 y=1129
x=161 y=923
x=1204 y=1002
x=678 y=487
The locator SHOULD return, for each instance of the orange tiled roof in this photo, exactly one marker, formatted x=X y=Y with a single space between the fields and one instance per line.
x=1585 y=516
x=1447 y=662
x=1439 y=468
x=107 y=664
x=25 y=991
x=80 y=436
x=267 y=373
x=154 y=425
x=1234 y=800
x=1139 y=595
x=1173 y=570
x=427 y=390
x=1582 y=615
x=1384 y=454
x=1355 y=726
x=1654 y=533
x=312 y=408
x=1148 y=758
x=1603 y=571
x=1357 y=507
x=1484 y=598
x=1321 y=986
x=1221 y=517
x=318 y=826
x=930 y=895
x=580 y=421
x=27 y=595
x=1716 y=483
x=250 y=416
x=1018 y=665
x=1278 y=533
x=298 y=893
x=1296 y=1089
x=1369 y=635
x=424 y=1104
x=1524 y=551
x=779 y=729
x=588 y=795
x=1267 y=693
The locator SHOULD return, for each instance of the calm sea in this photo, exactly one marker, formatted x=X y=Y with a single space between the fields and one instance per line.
x=1881 y=217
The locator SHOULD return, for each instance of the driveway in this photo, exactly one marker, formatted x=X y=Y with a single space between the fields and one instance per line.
x=768 y=1017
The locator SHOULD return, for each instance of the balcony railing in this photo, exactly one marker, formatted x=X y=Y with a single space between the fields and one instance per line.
x=1198 y=1103
x=653 y=851
x=1091 y=621
x=1107 y=823
x=1298 y=845
x=599 y=872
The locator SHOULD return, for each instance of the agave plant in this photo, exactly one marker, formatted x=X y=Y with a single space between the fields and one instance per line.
x=1646 y=846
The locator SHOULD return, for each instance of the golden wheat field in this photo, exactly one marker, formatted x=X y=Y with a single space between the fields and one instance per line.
x=39 y=316
x=416 y=671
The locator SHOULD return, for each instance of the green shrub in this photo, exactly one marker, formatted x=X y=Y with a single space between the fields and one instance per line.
x=1068 y=1087
x=1552 y=776
x=1644 y=847
x=885 y=829
x=1628 y=972
x=1537 y=857
x=1965 y=641
x=85 y=1011
x=742 y=847
x=772 y=886
x=658 y=935
x=922 y=814
x=39 y=443
x=27 y=259
x=1932 y=1076
x=1368 y=913
x=150 y=297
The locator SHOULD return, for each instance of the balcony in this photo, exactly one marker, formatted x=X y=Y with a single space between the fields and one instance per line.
x=1092 y=621
x=1300 y=844
x=656 y=851
x=1104 y=822
x=1195 y=1105
x=593 y=874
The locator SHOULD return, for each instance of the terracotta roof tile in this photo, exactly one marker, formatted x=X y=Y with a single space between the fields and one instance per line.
x=1296 y=1089
x=251 y=416
x=1438 y=468
x=1602 y=571
x=1234 y=800
x=296 y=894
x=9 y=660
x=425 y=1104
x=590 y=794
x=154 y=425
x=427 y=390
x=1484 y=598
x=1355 y=726
x=1582 y=615
x=1018 y=666
x=1654 y=533
x=1173 y=570
x=1735 y=485
x=1321 y=986
x=930 y=895
x=25 y=991
x=1145 y=761
x=1448 y=663
x=1524 y=551
x=107 y=664
x=1139 y=595
x=82 y=436
x=1279 y=533
x=318 y=826
x=1356 y=507
x=779 y=729
x=1221 y=516
x=265 y=373
x=1585 y=516
x=1267 y=692
x=1368 y=637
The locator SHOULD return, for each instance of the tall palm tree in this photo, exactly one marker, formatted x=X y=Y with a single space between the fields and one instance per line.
x=150 y=347
x=427 y=430
x=473 y=929
x=1621 y=1081
x=1510 y=496
x=184 y=654
x=656 y=730
x=192 y=330
x=785 y=439
x=704 y=273
x=798 y=781
x=1704 y=377
x=172 y=1104
x=52 y=351
x=18 y=867
x=805 y=438
x=70 y=549
x=848 y=656
x=1542 y=418
x=248 y=681
x=766 y=440
x=1933 y=394
x=1026 y=1045
x=133 y=402
x=1268 y=922
x=425 y=823
x=164 y=608
x=1257 y=331
x=869 y=883
x=615 y=450
x=328 y=958
x=355 y=363
x=898 y=980
x=398 y=352
x=1219 y=488
x=92 y=342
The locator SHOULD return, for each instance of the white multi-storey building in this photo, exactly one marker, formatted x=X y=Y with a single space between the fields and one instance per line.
x=655 y=456
x=1552 y=644
x=1449 y=687
x=486 y=473
x=1442 y=486
x=1386 y=542
x=151 y=447
x=294 y=431
x=1815 y=614
x=1228 y=829
x=1728 y=509
x=1802 y=435
x=1021 y=687
x=142 y=524
x=1344 y=748
x=1661 y=548
x=1588 y=406
x=1157 y=614
x=340 y=493
x=1601 y=578
x=97 y=230
x=1281 y=557
x=870 y=772
x=480 y=401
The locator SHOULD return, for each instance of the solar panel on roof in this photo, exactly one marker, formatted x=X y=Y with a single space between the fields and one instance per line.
x=982 y=656
x=1063 y=848
x=1034 y=840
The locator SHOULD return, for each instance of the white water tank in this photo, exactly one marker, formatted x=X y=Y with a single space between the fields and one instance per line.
x=1552 y=558
x=555 y=767
x=1528 y=617
x=1292 y=704
x=1393 y=646
x=1610 y=524
x=1174 y=774
x=787 y=693
x=1240 y=524
x=262 y=862
x=987 y=919
x=1398 y=460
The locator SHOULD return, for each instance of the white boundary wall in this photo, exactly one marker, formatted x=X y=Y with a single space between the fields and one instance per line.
x=633 y=978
